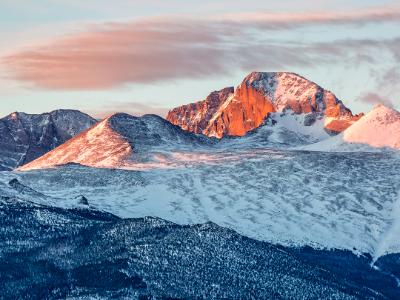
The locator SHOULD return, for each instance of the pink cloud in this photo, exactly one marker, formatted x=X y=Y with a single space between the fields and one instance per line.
x=117 y=54
x=386 y=89
x=375 y=98
x=132 y=108
x=160 y=49
x=276 y=20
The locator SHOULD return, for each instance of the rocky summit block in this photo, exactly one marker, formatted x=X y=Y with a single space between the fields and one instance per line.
x=234 y=113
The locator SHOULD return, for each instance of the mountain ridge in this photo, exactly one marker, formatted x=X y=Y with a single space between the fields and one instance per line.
x=125 y=141
x=279 y=110
x=119 y=140
x=26 y=137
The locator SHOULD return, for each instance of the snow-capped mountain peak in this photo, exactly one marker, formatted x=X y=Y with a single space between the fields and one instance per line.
x=379 y=128
x=260 y=94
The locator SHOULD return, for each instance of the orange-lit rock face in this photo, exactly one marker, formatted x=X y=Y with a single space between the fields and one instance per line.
x=244 y=111
x=195 y=117
x=259 y=94
x=337 y=125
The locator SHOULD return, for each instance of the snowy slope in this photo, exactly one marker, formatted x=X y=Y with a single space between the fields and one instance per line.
x=380 y=128
x=282 y=131
x=332 y=200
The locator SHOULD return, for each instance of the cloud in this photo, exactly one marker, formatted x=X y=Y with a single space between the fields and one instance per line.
x=117 y=54
x=392 y=77
x=272 y=20
x=374 y=98
x=132 y=108
x=170 y=48
x=386 y=89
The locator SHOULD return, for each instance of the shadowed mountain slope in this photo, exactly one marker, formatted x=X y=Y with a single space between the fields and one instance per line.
x=25 y=137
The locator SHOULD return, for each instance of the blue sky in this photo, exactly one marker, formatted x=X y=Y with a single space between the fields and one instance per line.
x=148 y=56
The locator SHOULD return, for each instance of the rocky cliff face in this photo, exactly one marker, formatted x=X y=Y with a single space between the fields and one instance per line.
x=195 y=117
x=259 y=94
x=25 y=137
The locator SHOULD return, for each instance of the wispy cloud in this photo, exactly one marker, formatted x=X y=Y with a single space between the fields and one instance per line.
x=375 y=98
x=117 y=54
x=134 y=108
x=273 y=20
x=385 y=90
x=159 y=49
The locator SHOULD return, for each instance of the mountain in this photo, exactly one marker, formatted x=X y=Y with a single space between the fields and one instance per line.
x=380 y=128
x=25 y=137
x=120 y=141
x=234 y=113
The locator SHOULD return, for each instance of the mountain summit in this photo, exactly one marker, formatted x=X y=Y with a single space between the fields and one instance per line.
x=235 y=112
x=380 y=128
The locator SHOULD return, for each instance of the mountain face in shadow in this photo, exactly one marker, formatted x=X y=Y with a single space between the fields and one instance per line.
x=25 y=137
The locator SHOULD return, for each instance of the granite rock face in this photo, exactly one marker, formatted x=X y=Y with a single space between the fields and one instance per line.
x=25 y=137
x=260 y=94
x=195 y=117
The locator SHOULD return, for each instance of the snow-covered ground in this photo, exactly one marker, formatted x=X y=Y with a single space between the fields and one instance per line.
x=329 y=200
x=253 y=184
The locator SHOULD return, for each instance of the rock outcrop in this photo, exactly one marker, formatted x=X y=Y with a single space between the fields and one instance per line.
x=259 y=94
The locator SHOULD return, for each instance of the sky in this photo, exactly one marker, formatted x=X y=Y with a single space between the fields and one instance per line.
x=149 y=56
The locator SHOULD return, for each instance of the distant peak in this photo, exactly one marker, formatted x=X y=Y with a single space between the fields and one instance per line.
x=65 y=111
x=14 y=115
x=384 y=108
x=383 y=114
x=120 y=116
x=58 y=112
x=152 y=116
